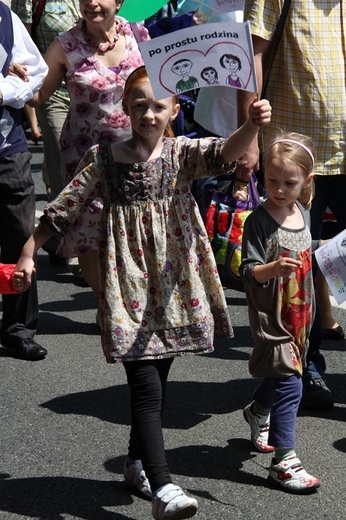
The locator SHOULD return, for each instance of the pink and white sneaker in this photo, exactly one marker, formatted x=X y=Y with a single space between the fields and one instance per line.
x=290 y=476
x=259 y=425
x=135 y=476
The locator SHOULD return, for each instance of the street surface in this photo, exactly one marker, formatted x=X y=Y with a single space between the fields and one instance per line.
x=65 y=422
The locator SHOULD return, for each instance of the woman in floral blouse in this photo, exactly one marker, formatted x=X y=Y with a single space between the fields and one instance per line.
x=95 y=58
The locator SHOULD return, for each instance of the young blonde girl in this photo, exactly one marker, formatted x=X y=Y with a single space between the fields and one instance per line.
x=277 y=271
x=161 y=296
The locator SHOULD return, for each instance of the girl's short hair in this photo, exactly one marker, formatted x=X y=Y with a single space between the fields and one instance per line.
x=137 y=77
x=296 y=148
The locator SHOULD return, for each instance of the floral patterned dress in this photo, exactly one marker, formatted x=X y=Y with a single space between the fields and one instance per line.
x=161 y=294
x=95 y=115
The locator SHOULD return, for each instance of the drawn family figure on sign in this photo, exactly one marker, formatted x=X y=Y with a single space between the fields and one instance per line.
x=210 y=76
x=182 y=68
x=233 y=64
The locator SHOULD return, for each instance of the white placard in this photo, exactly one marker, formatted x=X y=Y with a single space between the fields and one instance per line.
x=331 y=258
x=205 y=55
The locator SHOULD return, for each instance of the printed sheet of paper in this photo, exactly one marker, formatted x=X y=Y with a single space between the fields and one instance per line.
x=205 y=55
x=225 y=6
x=331 y=258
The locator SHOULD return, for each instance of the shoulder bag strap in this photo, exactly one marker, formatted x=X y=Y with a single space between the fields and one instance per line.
x=37 y=9
x=276 y=42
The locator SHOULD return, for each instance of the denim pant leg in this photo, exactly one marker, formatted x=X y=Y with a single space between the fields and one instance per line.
x=282 y=397
x=283 y=418
x=264 y=394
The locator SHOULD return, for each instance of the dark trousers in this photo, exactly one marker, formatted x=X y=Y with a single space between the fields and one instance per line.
x=147 y=381
x=329 y=192
x=17 y=219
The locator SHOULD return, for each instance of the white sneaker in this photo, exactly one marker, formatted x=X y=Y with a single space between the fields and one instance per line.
x=259 y=425
x=290 y=475
x=135 y=476
x=170 y=502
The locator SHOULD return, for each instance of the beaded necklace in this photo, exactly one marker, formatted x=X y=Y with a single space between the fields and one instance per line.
x=102 y=48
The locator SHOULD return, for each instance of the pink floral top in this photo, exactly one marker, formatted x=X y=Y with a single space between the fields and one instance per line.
x=161 y=293
x=95 y=114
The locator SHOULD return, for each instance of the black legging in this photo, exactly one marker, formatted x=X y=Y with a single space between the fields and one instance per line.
x=147 y=381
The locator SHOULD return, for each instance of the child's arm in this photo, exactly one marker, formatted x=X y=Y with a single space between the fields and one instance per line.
x=255 y=268
x=26 y=266
x=238 y=142
x=284 y=266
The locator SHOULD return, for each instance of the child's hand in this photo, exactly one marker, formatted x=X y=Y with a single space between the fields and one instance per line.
x=260 y=112
x=22 y=275
x=285 y=266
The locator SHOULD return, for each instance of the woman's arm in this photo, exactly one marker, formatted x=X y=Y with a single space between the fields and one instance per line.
x=57 y=63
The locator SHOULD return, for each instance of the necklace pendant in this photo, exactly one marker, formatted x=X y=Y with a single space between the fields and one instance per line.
x=103 y=47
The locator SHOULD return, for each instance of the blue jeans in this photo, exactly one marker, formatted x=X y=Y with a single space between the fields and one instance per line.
x=282 y=396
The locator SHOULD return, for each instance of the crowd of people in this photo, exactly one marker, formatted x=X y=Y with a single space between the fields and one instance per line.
x=121 y=201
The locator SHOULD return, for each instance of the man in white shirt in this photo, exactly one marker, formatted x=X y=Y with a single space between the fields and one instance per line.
x=17 y=197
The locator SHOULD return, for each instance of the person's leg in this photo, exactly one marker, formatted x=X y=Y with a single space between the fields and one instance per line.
x=286 y=470
x=288 y=392
x=88 y=264
x=257 y=414
x=316 y=394
x=17 y=214
x=147 y=381
x=52 y=116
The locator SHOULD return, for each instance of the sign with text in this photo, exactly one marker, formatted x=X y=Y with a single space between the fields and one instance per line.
x=331 y=259
x=206 y=55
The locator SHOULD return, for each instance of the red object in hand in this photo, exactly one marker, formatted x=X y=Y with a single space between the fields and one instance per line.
x=6 y=273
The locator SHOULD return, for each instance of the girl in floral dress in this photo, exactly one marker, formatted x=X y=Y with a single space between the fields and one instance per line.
x=277 y=271
x=161 y=296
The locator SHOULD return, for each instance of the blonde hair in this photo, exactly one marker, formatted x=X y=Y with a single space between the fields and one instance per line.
x=137 y=77
x=299 y=149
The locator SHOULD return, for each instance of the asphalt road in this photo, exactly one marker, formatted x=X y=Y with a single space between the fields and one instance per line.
x=65 y=422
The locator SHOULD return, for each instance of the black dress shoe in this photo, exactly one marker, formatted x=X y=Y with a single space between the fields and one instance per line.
x=336 y=334
x=26 y=349
x=316 y=395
